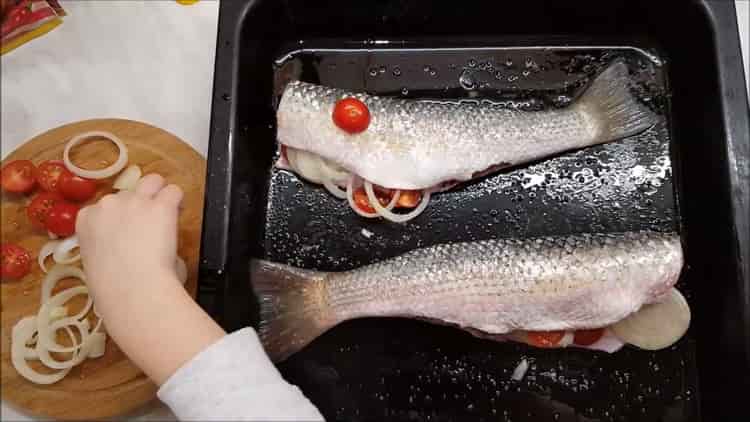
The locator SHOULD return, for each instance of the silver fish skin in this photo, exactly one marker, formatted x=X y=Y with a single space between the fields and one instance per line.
x=413 y=144
x=494 y=287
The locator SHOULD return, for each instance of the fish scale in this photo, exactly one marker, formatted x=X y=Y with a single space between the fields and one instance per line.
x=494 y=287
x=419 y=144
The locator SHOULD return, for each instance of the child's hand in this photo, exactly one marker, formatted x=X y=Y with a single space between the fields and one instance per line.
x=129 y=246
x=129 y=242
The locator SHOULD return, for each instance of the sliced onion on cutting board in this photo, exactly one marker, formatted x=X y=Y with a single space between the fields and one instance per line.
x=116 y=167
x=128 y=179
x=62 y=253
x=57 y=273
x=23 y=331
x=47 y=250
x=656 y=326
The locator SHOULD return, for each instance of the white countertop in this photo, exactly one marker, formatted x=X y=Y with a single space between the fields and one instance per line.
x=143 y=60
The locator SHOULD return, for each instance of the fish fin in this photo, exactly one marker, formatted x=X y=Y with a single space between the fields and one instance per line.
x=293 y=307
x=609 y=98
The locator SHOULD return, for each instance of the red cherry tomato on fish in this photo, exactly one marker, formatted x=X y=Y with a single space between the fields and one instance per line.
x=587 y=337
x=48 y=174
x=76 y=188
x=351 y=115
x=545 y=338
x=40 y=206
x=61 y=219
x=16 y=261
x=18 y=176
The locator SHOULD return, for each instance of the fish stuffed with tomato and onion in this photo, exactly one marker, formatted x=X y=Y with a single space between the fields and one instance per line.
x=383 y=153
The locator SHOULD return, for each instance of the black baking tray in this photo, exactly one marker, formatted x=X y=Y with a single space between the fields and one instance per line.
x=688 y=173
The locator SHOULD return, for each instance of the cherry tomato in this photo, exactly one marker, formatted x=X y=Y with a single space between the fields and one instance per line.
x=363 y=202
x=409 y=199
x=351 y=115
x=40 y=206
x=48 y=174
x=587 y=337
x=16 y=261
x=545 y=338
x=18 y=176
x=76 y=188
x=61 y=219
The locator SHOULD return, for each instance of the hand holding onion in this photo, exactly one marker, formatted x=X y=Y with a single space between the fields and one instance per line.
x=128 y=243
x=128 y=238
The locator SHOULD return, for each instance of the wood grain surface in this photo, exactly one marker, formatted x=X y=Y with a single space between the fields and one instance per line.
x=111 y=385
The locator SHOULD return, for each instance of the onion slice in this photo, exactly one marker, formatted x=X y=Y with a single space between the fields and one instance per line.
x=352 y=204
x=22 y=332
x=520 y=370
x=79 y=353
x=334 y=189
x=97 y=345
x=62 y=251
x=658 y=325
x=47 y=250
x=391 y=216
x=116 y=167
x=128 y=179
x=43 y=321
x=57 y=273
x=374 y=199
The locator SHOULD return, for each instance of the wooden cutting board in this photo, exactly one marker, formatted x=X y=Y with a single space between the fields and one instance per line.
x=111 y=385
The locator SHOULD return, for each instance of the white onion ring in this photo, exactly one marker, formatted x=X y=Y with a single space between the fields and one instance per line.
x=391 y=216
x=46 y=335
x=46 y=251
x=374 y=199
x=97 y=345
x=122 y=158
x=334 y=189
x=62 y=252
x=79 y=353
x=657 y=325
x=22 y=332
x=57 y=273
x=58 y=312
x=352 y=204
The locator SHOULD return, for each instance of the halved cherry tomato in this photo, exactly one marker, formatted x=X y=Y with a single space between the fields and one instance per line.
x=61 y=219
x=18 y=176
x=587 y=337
x=363 y=202
x=40 y=206
x=351 y=115
x=48 y=174
x=409 y=199
x=16 y=261
x=76 y=188
x=545 y=338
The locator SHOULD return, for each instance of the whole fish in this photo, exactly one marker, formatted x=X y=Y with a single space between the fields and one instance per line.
x=433 y=145
x=495 y=288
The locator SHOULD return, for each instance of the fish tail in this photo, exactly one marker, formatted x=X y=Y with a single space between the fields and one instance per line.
x=294 y=308
x=618 y=113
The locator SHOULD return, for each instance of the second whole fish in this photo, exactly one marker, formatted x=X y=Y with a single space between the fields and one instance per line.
x=496 y=288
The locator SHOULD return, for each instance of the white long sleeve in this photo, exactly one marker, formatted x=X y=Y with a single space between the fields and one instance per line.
x=234 y=379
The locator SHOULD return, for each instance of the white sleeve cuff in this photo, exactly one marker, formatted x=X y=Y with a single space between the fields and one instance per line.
x=233 y=379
